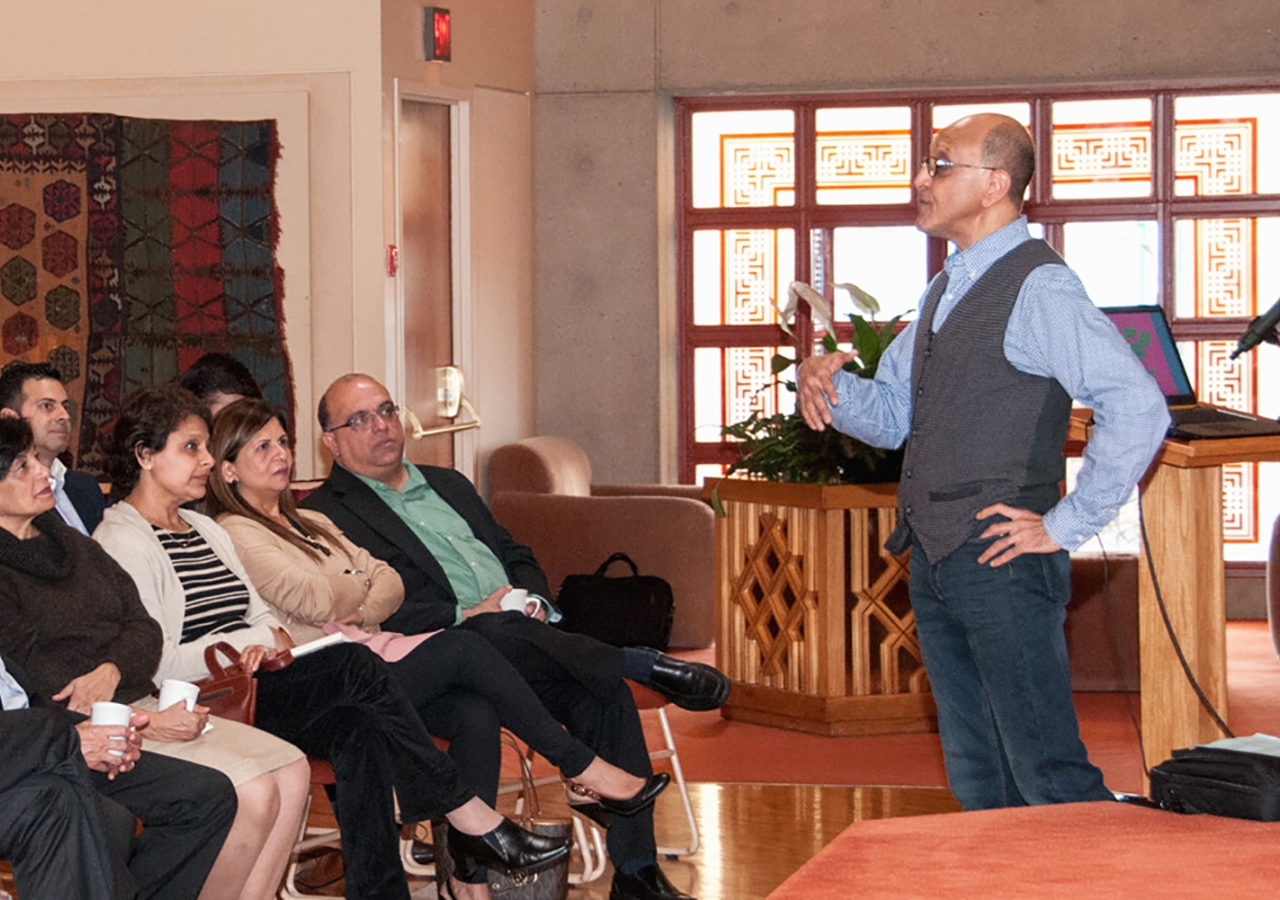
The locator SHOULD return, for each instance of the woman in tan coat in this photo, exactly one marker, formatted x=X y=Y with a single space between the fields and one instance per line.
x=319 y=583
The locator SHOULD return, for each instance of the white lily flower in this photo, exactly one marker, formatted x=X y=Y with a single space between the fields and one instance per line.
x=861 y=299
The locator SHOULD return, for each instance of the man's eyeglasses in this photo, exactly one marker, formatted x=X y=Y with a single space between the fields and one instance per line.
x=936 y=167
x=360 y=421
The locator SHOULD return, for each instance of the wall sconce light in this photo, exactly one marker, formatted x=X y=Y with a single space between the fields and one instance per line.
x=436 y=34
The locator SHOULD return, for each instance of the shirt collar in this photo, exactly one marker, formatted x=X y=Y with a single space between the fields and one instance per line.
x=414 y=483
x=974 y=260
x=58 y=474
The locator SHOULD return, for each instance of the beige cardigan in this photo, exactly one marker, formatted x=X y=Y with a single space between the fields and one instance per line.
x=305 y=592
x=128 y=537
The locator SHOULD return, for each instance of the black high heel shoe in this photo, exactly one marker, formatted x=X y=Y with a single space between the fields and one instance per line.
x=628 y=806
x=508 y=846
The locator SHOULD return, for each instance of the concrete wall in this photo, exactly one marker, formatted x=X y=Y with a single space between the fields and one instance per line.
x=606 y=73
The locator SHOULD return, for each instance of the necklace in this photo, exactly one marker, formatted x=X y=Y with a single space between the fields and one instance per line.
x=306 y=536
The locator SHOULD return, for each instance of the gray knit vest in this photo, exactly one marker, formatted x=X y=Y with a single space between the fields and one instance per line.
x=982 y=432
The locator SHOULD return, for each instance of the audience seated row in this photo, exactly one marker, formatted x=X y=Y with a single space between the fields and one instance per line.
x=360 y=704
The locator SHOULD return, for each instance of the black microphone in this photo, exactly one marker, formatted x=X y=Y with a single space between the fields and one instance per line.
x=1263 y=328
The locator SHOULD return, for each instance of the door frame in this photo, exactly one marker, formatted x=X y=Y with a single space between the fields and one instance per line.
x=465 y=443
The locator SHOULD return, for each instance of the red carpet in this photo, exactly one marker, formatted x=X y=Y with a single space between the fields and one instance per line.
x=1094 y=850
x=713 y=749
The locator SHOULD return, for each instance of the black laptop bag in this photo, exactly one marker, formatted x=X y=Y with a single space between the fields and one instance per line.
x=1219 y=781
x=629 y=611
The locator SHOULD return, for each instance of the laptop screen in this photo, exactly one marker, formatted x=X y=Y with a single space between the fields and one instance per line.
x=1148 y=333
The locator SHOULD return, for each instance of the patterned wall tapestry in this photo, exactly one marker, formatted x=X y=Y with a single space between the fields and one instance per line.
x=129 y=247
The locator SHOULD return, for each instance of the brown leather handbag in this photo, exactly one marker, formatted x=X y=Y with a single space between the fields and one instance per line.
x=231 y=691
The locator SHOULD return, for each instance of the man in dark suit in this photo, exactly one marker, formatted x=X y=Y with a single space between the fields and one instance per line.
x=34 y=391
x=68 y=804
x=457 y=563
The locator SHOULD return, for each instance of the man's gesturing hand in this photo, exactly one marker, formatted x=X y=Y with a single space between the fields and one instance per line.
x=814 y=387
x=1022 y=533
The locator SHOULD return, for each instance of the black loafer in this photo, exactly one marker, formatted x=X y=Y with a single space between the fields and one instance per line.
x=689 y=685
x=629 y=806
x=647 y=884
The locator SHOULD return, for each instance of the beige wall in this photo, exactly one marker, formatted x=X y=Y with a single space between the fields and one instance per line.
x=606 y=73
x=328 y=72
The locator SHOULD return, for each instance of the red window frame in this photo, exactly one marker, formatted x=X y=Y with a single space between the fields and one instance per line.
x=1163 y=206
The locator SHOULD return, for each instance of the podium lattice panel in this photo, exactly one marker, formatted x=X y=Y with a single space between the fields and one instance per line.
x=774 y=600
x=884 y=652
x=785 y=567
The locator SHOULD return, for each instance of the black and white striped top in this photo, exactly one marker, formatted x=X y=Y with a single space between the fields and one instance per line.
x=217 y=600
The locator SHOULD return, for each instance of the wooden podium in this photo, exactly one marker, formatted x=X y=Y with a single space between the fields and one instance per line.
x=1182 y=506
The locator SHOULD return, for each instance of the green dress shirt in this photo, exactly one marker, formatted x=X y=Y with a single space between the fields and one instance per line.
x=474 y=572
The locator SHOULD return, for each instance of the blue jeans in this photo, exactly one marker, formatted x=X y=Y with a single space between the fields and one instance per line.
x=993 y=645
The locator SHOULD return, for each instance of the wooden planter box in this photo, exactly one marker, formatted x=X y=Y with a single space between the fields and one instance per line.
x=813 y=622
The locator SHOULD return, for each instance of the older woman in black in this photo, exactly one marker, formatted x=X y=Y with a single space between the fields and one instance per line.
x=339 y=704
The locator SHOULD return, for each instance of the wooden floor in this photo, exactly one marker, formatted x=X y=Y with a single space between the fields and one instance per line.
x=755 y=835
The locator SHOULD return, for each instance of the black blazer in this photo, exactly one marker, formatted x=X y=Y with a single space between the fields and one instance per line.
x=429 y=600
x=27 y=734
x=86 y=496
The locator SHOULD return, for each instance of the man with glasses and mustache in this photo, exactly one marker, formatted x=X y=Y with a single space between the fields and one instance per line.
x=457 y=562
x=980 y=387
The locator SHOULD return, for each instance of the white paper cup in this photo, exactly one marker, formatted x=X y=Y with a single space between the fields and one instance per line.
x=174 y=691
x=105 y=712
x=515 y=600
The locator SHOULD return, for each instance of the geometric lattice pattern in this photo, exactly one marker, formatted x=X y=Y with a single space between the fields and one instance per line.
x=748 y=372
x=1216 y=157
x=1240 y=503
x=757 y=170
x=750 y=276
x=863 y=160
x=882 y=623
x=1110 y=152
x=1223 y=381
x=770 y=594
x=151 y=243
x=1224 y=267
x=777 y=636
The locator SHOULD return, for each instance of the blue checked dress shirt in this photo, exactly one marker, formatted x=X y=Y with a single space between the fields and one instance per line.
x=1054 y=331
x=12 y=696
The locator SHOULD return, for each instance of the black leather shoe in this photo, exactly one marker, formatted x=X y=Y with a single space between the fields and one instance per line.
x=647 y=884
x=689 y=685
x=641 y=799
x=508 y=846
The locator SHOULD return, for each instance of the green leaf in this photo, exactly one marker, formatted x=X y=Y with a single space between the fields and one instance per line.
x=829 y=343
x=716 y=506
x=781 y=363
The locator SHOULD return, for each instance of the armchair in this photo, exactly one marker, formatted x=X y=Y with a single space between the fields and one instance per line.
x=541 y=492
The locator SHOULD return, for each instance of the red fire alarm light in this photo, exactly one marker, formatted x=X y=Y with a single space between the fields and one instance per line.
x=435 y=33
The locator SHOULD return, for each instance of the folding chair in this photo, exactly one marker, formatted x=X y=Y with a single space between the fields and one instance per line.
x=313 y=838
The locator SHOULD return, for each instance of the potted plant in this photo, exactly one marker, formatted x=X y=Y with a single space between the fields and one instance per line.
x=782 y=447
x=813 y=622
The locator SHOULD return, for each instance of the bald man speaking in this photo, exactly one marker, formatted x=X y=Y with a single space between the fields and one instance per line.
x=979 y=387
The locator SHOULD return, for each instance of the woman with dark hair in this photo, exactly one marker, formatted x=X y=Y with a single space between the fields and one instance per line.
x=339 y=703
x=218 y=379
x=319 y=582
x=71 y=618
